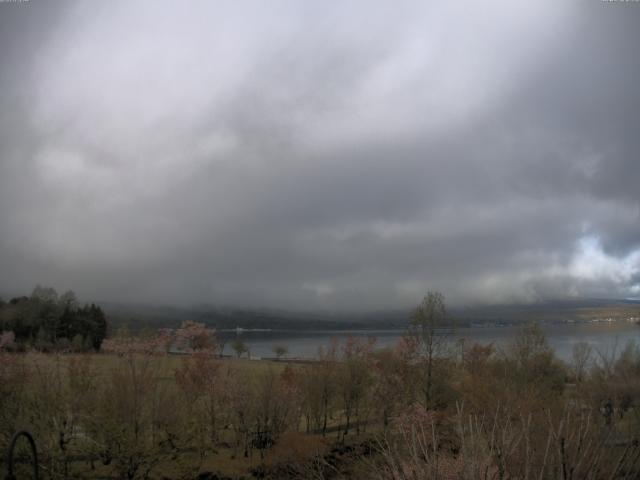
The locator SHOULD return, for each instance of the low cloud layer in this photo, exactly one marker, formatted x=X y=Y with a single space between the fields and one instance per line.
x=330 y=155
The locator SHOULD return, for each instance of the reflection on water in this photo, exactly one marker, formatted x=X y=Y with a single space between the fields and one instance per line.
x=606 y=337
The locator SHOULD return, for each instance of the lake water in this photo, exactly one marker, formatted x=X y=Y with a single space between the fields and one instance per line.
x=606 y=337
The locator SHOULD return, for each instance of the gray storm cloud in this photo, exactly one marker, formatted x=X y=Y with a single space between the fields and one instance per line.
x=335 y=155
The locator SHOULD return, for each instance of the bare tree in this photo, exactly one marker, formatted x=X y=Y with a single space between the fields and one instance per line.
x=318 y=388
x=429 y=329
x=581 y=355
x=354 y=378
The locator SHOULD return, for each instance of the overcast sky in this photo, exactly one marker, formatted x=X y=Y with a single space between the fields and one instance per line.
x=339 y=155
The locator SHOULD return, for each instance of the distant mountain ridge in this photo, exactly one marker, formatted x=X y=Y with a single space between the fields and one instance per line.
x=137 y=316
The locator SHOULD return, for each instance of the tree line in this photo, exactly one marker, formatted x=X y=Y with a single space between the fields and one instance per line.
x=47 y=321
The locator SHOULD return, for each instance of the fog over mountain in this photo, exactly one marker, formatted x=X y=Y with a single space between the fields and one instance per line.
x=335 y=155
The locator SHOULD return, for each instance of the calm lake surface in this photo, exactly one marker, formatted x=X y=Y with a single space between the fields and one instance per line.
x=606 y=337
